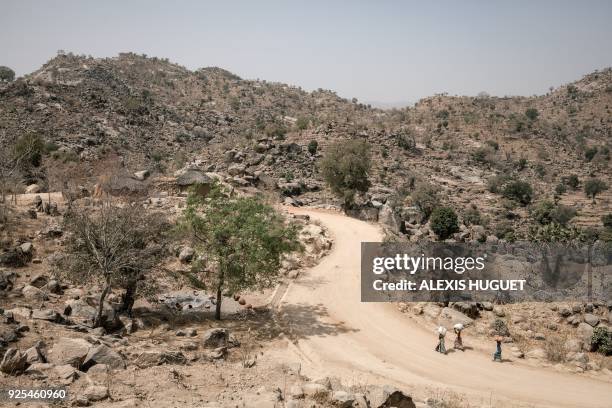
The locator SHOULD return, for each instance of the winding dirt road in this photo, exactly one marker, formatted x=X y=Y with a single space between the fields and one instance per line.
x=374 y=343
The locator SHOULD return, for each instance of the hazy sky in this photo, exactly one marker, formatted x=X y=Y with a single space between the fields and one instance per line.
x=384 y=51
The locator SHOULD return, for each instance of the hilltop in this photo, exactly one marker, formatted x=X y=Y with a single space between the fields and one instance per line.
x=142 y=113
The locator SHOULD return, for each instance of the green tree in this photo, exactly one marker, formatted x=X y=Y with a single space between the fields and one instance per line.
x=345 y=168
x=425 y=198
x=6 y=74
x=313 y=145
x=242 y=240
x=444 y=222
x=594 y=186
x=532 y=114
x=519 y=191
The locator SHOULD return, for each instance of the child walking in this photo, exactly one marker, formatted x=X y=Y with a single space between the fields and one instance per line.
x=440 y=348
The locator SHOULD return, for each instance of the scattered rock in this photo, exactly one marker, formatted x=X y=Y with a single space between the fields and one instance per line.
x=69 y=351
x=13 y=362
x=96 y=393
x=591 y=319
x=158 y=357
x=103 y=355
x=186 y=254
x=454 y=316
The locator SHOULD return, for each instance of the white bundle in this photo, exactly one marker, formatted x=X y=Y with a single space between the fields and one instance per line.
x=458 y=327
x=442 y=330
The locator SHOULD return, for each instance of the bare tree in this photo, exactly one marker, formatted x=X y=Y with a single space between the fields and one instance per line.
x=116 y=246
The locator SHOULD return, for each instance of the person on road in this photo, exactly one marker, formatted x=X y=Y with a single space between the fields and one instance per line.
x=497 y=356
x=458 y=341
x=440 y=348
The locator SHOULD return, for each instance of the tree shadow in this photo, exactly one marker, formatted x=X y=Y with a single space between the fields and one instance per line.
x=301 y=321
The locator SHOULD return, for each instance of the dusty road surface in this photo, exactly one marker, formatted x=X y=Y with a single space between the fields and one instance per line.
x=374 y=343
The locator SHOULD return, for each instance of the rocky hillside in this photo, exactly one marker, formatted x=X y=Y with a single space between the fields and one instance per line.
x=142 y=113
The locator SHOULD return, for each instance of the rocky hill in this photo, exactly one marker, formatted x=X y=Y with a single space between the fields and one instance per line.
x=142 y=113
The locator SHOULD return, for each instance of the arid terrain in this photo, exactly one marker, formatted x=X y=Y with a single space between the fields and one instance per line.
x=148 y=134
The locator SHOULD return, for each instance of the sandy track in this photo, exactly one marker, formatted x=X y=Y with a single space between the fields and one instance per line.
x=374 y=343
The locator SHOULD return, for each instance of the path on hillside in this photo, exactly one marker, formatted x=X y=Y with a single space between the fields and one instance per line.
x=374 y=343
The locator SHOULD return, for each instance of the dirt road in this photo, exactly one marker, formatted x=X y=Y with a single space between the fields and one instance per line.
x=374 y=343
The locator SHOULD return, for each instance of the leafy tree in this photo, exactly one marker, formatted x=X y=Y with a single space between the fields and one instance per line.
x=444 y=222
x=313 y=145
x=532 y=114
x=345 y=168
x=6 y=74
x=519 y=191
x=242 y=240
x=594 y=186
x=116 y=246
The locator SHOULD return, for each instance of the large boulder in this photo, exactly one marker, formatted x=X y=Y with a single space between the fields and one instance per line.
x=69 y=351
x=13 y=362
x=591 y=319
x=452 y=316
x=585 y=334
x=102 y=354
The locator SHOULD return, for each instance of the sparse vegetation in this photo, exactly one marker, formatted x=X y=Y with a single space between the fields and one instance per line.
x=6 y=74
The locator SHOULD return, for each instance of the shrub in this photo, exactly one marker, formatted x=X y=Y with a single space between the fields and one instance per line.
x=493 y=144
x=521 y=164
x=590 y=153
x=495 y=183
x=483 y=155
x=500 y=327
x=345 y=168
x=594 y=186
x=472 y=216
x=540 y=170
x=560 y=189
x=406 y=140
x=532 y=114
x=302 y=122
x=443 y=222
x=555 y=349
x=546 y=212
x=313 y=145
x=6 y=74
x=425 y=198
x=606 y=220
x=602 y=340
x=519 y=191
x=572 y=181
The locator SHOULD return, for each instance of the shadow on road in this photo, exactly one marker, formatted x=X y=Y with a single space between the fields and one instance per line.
x=300 y=321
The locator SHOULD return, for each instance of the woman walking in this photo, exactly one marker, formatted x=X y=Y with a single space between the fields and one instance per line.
x=440 y=348
x=458 y=341
x=497 y=356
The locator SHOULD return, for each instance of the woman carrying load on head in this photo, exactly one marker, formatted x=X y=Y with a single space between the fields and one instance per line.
x=440 y=348
x=458 y=341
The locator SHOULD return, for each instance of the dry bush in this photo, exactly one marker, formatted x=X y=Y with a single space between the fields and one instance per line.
x=555 y=349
